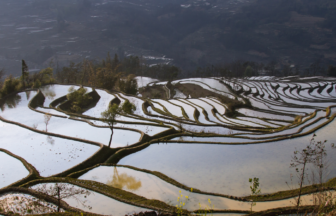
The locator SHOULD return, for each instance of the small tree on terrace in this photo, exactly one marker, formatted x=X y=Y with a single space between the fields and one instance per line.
x=254 y=189
x=127 y=107
x=109 y=116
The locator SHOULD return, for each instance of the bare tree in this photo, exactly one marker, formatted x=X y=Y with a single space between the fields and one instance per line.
x=47 y=118
x=313 y=153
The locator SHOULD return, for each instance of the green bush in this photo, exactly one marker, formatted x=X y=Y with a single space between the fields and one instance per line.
x=128 y=107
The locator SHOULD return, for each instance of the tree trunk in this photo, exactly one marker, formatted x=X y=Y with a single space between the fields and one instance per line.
x=58 y=199
x=302 y=178
x=111 y=136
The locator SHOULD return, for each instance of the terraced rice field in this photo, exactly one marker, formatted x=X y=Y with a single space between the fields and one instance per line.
x=209 y=134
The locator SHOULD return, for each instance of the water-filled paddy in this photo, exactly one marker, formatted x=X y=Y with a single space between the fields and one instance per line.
x=52 y=92
x=152 y=187
x=228 y=140
x=227 y=168
x=144 y=81
x=102 y=105
x=101 y=204
x=254 y=113
x=221 y=168
x=51 y=111
x=175 y=110
x=49 y=155
x=187 y=108
x=7 y=165
x=22 y=114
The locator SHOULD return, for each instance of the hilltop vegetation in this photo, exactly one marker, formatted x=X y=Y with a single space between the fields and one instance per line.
x=184 y=33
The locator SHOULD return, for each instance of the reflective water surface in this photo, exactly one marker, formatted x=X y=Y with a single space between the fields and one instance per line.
x=21 y=113
x=11 y=170
x=227 y=168
x=152 y=187
x=100 y=203
x=49 y=155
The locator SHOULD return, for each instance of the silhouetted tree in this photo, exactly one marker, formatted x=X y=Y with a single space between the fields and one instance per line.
x=25 y=73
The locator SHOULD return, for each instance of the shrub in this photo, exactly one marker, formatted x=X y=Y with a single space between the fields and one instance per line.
x=78 y=99
x=128 y=107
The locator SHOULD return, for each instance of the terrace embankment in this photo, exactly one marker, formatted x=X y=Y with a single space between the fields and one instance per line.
x=196 y=91
x=154 y=91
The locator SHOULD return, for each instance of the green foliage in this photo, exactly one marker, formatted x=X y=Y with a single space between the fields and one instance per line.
x=78 y=99
x=10 y=85
x=254 y=189
x=109 y=116
x=128 y=107
x=46 y=75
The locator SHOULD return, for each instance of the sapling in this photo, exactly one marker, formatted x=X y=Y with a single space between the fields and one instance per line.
x=254 y=189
